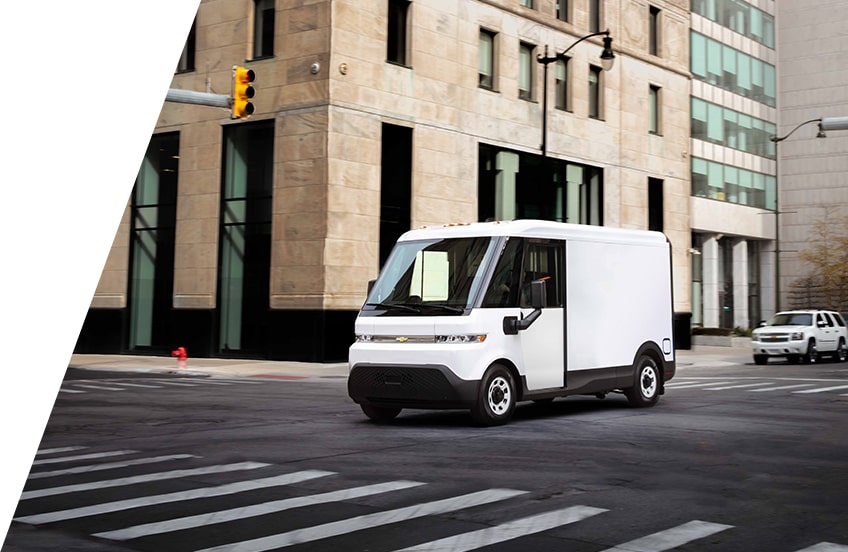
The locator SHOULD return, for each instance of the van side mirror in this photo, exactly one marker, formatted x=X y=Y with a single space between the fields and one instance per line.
x=538 y=294
x=538 y=298
x=371 y=285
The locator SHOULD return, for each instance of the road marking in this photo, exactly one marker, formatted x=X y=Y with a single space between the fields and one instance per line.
x=63 y=390
x=782 y=387
x=59 y=450
x=111 y=465
x=822 y=389
x=128 y=384
x=825 y=547
x=507 y=531
x=254 y=510
x=199 y=381
x=698 y=384
x=671 y=538
x=368 y=521
x=158 y=476
x=83 y=457
x=220 y=490
x=98 y=387
x=175 y=383
x=740 y=386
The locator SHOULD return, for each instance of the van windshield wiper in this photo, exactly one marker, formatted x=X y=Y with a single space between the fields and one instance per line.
x=389 y=306
x=450 y=308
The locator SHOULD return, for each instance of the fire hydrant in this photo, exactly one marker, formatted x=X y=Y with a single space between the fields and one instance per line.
x=182 y=356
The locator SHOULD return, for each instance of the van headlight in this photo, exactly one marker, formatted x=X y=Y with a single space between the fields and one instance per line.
x=476 y=338
x=796 y=336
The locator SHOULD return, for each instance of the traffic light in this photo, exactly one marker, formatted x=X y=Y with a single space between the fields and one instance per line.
x=242 y=92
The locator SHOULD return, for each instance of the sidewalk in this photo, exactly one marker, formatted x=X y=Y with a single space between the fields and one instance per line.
x=698 y=356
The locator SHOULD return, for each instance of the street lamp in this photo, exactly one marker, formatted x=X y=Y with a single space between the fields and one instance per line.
x=777 y=140
x=607 y=61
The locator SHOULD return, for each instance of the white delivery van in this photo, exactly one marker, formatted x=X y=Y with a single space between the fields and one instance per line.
x=484 y=315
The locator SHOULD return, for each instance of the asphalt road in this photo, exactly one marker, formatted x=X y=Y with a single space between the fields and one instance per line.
x=734 y=457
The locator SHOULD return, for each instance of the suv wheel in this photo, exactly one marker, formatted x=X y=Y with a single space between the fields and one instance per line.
x=841 y=351
x=812 y=355
x=760 y=359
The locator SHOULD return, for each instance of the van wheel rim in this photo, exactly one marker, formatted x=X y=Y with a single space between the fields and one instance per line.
x=500 y=396
x=648 y=382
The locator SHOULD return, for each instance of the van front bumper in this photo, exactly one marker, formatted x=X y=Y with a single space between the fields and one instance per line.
x=409 y=386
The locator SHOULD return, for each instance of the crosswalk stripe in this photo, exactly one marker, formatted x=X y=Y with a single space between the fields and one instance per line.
x=825 y=547
x=739 y=386
x=63 y=390
x=671 y=538
x=146 y=478
x=220 y=490
x=58 y=450
x=91 y=456
x=176 y=383
x=507 y=531
x=367 y=521
x=243 y=512
x=200 y=381
x=822 y=389
x=781 y=387
x=110 y=466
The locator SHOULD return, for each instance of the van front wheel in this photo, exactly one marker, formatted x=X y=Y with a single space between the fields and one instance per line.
x=380 y=413
x=646 y=388
x=496 y=397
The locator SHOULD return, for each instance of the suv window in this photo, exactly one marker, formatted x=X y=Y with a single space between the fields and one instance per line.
x=838 y=318
x=828 y=319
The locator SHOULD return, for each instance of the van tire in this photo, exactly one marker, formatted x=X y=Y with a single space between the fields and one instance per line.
x=380 y=413
x=646 y=383
x=495 y=398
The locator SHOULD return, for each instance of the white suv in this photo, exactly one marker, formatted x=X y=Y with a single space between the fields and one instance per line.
x=801 y=334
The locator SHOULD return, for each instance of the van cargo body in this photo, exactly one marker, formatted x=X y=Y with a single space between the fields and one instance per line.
x=485 y=315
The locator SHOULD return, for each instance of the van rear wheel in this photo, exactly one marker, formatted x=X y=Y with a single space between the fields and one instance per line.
x=646 y=387
x=496 y=397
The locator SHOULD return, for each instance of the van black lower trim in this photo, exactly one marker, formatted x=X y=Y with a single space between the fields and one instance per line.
x=427 y=386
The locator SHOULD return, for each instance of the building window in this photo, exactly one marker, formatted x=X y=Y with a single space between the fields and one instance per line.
x=733 y=70
x=741 y=17
x=525 y=71
x=486 y=60
x=561 y=84
x=263 y=28
x=397 y=32
x=726 y=127
x=562 y=10
x=527 y=3
x=595 y=92
x=244 y=263
x=186 y=63
x=653 y=31
x=152 y=244
x=594 y=16
x=654 y=98
x=515 y=185
x=732 y=184
x=655 y=204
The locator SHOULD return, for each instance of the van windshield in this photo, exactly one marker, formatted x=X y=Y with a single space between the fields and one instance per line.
x=427 y=277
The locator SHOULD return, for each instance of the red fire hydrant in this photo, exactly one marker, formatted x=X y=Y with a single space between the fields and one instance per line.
x=182 y=356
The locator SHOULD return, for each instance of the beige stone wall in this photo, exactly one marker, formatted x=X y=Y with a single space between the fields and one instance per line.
x=328 y=129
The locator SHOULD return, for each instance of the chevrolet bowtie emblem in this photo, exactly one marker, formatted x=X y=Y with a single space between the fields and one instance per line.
x=402 y=339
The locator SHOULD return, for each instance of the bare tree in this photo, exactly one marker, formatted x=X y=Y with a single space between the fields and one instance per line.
x=827 y=255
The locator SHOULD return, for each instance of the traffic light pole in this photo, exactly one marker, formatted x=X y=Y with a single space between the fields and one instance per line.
x=198 y=98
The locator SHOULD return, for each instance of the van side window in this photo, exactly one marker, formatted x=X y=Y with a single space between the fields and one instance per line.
x=838 y=318
x=543 y=261
x=504 y=286
x=827 y=319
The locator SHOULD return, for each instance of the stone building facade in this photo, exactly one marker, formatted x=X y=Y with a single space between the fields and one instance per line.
x=257 y=237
